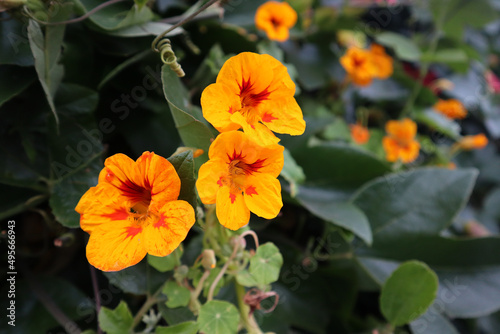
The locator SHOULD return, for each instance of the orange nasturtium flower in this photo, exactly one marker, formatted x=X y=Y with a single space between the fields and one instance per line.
x=253 y=92
x=400 y=142
x=133 y=211
x=276 y=19
x=359 y=134
x=383 y=62
x=241 y=176
x=451 y=108
x=363 y=66
x=468 y=143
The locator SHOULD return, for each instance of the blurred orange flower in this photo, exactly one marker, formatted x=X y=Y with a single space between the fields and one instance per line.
x=133 y=211
x=359 y=65
x=363 y=66
x=383 y=62
x=253 y=92
x=400 y=143
x=473 y=142
x=451 y=108
x=359 y=134
x=276 y=19
x=241 y=176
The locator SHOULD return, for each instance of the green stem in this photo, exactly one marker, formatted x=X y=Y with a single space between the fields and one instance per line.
x=248 y=320
x=30 y=203
x=425 y=66
x=150 y=301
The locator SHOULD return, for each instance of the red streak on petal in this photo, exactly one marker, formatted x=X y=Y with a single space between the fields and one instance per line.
x=268 y=117
x=253 y=126
x=132 y=231
x=248 y=97
x=120 y=214
x=254 y=167
x=232 y=197
x=160 y=223
x=251 y=191
x=134 y=192
x=109 y=175
x=231 y=110
x=220 y=182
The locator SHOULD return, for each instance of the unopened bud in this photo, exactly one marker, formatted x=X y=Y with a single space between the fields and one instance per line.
x=476 y=229
x=208 y=260
x=64 y=240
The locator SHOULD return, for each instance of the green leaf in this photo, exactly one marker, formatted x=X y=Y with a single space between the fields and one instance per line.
x=218 y=317
x=188 y=327
x=455 y=58
x=292 y=172
x=191 y=130
x=433 y=322
x=184 y=165
x=166 y=263
x=66 y=193
x=438 y=122
x=458 y=14
x=403 y=46
x=146 y=29
x=408 y=292
x=117 y=321
x=422 y=201
x=343 y=214
x=139 y=279
x=468 y=269
x=117 y=16
x=266 y=264
x=244 y=278
x=13 y=80
x=339 y=166
x=177 y=295
x=46 y=51
x=14 y=44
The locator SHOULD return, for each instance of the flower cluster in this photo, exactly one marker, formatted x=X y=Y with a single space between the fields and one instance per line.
x=254 y=93
x=362 y=66
x=133 y=211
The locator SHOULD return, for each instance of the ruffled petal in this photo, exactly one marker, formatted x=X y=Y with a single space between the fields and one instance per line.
x=231 y=209
x=257 y=131
x=116 y=246
x=165 y=235
x=283 y=116
x=209 y=180
x=263 y=195
x=218 y=102
x=160 y=176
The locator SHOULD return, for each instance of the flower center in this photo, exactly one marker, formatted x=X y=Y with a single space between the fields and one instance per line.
x=250 y=99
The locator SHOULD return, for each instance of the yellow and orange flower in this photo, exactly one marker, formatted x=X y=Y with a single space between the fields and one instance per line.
x=476 y=142
x=133 y=211
x=359 y=133
x=451 y=108
x=276 y=19
x=383 y=62
x=253 y=92
x=362 y=66
x=400 y=143
x=241 y=176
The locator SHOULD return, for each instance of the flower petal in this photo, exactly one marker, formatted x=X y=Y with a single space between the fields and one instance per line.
x=231 y=209
x=160 y=176
x=283 y=116
x=263 y=195
x=163 y=236
x=209 y=180
x=258 y=132
x=219 y=101
x=116 y=246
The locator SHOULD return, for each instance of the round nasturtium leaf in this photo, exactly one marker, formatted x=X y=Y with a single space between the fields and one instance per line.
x=218 y=317
x=265 y=265
x=408 y=292
x=177 y=295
